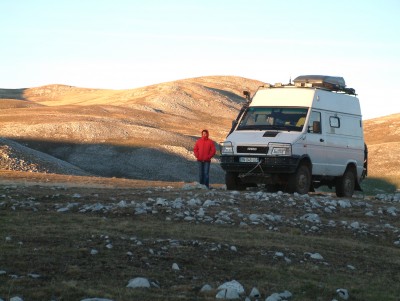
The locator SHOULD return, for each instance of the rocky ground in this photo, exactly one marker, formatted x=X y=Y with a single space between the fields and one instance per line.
x=297 y=227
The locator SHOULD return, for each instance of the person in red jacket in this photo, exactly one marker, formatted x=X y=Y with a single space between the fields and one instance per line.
x=204 y=150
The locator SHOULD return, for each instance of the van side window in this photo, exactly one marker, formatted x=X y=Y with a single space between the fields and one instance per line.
x=334 y=122
x=314 y=125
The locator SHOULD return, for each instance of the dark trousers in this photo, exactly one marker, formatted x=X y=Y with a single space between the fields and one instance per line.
x=204 y=173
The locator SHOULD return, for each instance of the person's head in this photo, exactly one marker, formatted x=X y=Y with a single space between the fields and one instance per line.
x=204 y=133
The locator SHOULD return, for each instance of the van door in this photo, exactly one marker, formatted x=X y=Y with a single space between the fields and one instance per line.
x=315 y=143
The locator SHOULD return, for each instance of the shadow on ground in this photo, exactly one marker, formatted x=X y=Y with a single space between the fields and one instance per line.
x=106 y=160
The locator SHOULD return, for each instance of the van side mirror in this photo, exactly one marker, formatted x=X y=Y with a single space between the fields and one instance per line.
x=316 y=127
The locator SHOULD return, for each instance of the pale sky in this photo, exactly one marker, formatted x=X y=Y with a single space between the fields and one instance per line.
x=125 y=44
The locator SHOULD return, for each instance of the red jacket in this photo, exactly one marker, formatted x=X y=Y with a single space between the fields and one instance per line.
x=204 y=149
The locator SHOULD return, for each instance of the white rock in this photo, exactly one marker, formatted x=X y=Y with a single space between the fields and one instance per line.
x=288 y=260
x=175 y=267
x=138 y=282
x=392 y=211
x=233 y=285
x=201 y=212
x=255 y=293
x=94 y=252
x=274 y=297
x=254 y=217
x=228 y=293
x=206 y=288
x=343 y=293
x=161 y=202
x=194 y=202
x=65 y=209
x=311 y=217
x=209 y=203
x=122 y=204
x=355 y=225
x=286 y=295
x=344 y=203
x=315 y=256
x=16 y=299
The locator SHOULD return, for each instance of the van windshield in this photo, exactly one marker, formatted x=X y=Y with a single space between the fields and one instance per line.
x=273 y=118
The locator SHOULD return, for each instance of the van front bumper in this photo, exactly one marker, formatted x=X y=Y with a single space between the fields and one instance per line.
x=266 y=165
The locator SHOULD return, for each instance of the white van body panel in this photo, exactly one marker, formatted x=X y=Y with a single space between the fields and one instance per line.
x=330 y=151
x=305 y=97
x=256 y=138
x=338 y=144
x=288 y=97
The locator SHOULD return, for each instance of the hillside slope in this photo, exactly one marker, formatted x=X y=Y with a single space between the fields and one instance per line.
x=146 y=133
x=382 y=136
x=125 y=133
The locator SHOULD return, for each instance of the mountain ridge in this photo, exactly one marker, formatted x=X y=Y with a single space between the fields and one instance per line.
x=101 y=131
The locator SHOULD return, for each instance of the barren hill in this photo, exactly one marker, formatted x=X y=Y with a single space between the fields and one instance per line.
x=144 y=133
x=382 y=136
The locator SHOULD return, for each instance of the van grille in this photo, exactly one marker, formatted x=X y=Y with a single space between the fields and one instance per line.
x=252 y=149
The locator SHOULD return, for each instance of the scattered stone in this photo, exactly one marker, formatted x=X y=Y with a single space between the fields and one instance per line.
x=228 y=294
x=139 y=282
x=234 y=285
x=175 y=267
x=343 y=293
x=206 y=288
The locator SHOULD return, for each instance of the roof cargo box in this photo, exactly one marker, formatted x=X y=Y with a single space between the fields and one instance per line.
x=333 y=83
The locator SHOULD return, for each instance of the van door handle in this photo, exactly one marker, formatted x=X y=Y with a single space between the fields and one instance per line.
x=321 y=140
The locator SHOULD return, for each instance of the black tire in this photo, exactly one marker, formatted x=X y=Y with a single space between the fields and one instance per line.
x=345 y=184
x=233 y=182
x=300 y=181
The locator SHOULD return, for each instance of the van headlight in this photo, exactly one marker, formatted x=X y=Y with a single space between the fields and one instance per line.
x=280 y=149
x=227 y=148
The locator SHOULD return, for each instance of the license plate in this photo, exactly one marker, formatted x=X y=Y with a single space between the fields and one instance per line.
x=248 y=160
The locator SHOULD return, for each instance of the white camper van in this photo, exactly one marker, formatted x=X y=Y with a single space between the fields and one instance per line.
x=297 y=137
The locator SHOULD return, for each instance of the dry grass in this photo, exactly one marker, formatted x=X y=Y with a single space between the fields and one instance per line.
x=57 y=247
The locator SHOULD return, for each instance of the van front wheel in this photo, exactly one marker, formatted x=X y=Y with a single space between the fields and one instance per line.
x=345 y=184
x=300 y=181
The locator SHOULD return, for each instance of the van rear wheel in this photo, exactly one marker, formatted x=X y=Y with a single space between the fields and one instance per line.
x=345 y=184
x=300 y=181
x=233 y=182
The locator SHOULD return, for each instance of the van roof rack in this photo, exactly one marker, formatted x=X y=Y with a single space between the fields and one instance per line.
x=331 y=83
